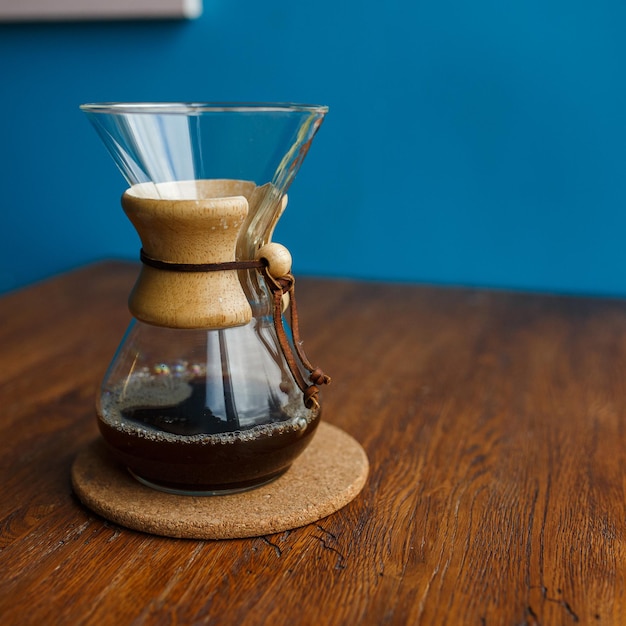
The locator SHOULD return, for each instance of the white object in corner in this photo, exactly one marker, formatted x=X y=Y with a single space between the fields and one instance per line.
x=41 y=10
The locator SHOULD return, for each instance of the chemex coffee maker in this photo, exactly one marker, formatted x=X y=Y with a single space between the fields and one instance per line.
x=210 y=391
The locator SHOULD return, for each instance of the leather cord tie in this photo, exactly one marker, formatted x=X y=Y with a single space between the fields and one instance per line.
x=200 y=267
x=278 y=288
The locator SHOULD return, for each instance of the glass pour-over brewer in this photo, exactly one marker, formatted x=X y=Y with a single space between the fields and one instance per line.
x=209 y=391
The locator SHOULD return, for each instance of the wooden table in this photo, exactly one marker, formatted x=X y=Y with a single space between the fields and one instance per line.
x=494 y=424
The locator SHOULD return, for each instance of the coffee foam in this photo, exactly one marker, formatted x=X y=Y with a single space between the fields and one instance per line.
x=166 y=391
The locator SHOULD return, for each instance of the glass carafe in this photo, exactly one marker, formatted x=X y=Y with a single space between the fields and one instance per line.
x=209 y=391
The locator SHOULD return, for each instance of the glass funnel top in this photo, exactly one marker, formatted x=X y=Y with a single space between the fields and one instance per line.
x=167 y=142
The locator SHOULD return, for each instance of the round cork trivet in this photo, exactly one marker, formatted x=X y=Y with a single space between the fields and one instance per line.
x=325 y=477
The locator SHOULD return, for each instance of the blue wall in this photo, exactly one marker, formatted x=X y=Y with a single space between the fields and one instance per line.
x=478 y=143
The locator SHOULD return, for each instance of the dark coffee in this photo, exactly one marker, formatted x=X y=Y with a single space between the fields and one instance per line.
x=183 y=446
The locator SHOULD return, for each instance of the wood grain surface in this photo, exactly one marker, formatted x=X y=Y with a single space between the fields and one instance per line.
x=494 y=426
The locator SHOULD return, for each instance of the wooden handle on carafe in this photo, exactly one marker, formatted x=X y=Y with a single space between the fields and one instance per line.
x=187 y=231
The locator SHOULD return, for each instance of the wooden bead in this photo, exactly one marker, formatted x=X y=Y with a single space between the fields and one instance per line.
x=278 y=259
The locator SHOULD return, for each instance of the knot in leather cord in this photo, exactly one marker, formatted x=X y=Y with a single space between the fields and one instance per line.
x=318 y=377
x=310 y=397
x=286 y=282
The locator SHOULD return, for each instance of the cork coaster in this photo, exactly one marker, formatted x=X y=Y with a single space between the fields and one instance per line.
x=325 y=477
